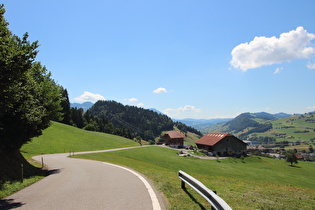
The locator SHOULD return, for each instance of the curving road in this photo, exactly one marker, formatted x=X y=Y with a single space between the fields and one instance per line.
x=86 y=184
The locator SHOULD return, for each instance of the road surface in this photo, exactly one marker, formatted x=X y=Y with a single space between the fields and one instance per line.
x=86 y=184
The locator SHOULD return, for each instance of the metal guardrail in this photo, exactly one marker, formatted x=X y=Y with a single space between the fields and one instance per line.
x=215 y=201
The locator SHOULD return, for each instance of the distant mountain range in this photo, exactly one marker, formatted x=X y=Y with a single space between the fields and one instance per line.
x=223 y=124
x=203 y=124
x=85 y=106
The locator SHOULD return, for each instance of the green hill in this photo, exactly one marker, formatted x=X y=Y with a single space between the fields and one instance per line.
x=298 y=128
x=60 y=138
x=295 y=128
x=116 y=118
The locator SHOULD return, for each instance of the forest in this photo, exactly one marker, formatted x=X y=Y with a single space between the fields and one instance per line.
x=124 y=120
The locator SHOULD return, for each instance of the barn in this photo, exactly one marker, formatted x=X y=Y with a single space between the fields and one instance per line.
x=174 y=139
x=222 y=144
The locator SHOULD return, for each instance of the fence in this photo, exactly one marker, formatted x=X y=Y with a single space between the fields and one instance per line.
x=215 y=201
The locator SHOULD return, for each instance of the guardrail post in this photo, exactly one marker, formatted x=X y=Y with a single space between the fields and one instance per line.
x=42 y=162
x=183 y=185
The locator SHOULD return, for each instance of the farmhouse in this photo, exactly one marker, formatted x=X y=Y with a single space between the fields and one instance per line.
x=222 y=144
x=174 y=139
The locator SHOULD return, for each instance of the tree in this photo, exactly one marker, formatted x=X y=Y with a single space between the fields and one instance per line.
x=291 y=158
x=29 y=98
x=138 y=140
x=65 y=104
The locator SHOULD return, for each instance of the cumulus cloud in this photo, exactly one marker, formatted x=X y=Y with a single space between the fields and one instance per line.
x=131 y=99
x=177 y=112
x=140 y=105
x=160 y=90
x=278 y=70
x=91 y=97
x=270 y=50
x=311 y=66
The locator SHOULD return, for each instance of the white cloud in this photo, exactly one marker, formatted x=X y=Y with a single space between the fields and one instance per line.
x=179 y=111
x=311 y=107
x=278 y=70
x=311 y=66
x=131 y=99
x=270 y=50
x=160 y=90
x=140 y=105
x=91 y=97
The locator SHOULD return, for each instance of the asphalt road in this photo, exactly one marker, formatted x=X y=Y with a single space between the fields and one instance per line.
x=86 y=184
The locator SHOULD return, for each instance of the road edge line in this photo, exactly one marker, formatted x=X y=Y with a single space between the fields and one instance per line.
x=154 y=199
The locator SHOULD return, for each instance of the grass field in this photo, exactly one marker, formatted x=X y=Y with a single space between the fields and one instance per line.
x=61 y=138
x=255 y=183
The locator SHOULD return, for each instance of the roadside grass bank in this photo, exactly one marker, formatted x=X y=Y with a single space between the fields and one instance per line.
x=11 y=187
x=254 y=183
x=61 y=138
x=58 y=138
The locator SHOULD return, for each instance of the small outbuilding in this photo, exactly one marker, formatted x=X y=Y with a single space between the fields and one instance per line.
x=174 y=139
x=222 y=144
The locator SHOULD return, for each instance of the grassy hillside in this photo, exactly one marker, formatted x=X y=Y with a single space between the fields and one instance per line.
x=60 y=138
x=189 y=139
x=293 y=129
x=255 y=183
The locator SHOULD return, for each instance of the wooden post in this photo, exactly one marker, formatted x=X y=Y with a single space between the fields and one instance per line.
x=42 y=162
x=22 y=172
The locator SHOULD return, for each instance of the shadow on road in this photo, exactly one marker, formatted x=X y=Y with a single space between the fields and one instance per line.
x=6 y=204
x=52 y=171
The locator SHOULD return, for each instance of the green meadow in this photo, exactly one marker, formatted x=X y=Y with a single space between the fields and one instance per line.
x=61 y=138
x=254 y=183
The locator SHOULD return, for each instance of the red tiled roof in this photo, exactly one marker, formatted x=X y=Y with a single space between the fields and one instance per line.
x=212 y=138
x=175 y=134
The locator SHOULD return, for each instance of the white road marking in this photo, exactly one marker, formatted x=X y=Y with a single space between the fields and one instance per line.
x=154 y=199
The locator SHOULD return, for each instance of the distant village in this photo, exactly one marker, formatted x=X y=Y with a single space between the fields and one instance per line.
x=228 y=145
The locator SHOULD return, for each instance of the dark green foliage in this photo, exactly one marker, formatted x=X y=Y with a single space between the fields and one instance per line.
x=29 y=98
x=65 y=104
x=184 y=128
x=291 y=157
x=137 y=121
x=76 y=116
x=263 y=140
x=127 y=121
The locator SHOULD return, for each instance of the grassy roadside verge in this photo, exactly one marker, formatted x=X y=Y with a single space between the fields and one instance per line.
x=256 y=183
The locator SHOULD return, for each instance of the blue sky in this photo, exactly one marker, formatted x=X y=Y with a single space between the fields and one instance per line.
x=189 y=59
